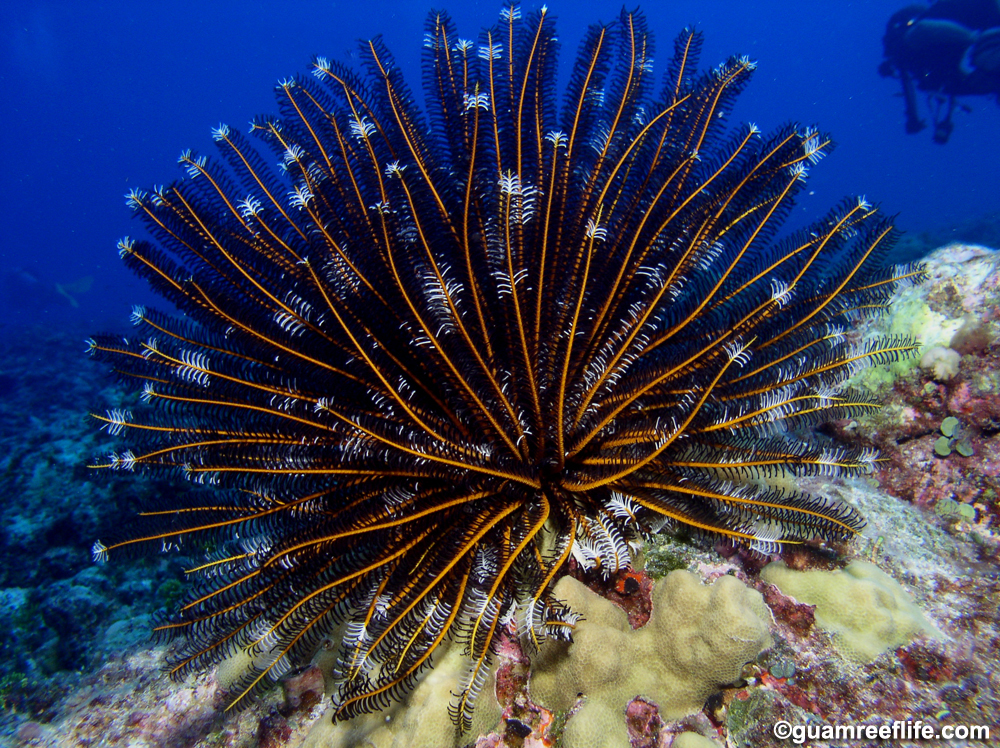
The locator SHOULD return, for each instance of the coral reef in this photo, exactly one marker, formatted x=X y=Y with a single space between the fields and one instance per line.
x=938 y=425
x=127 y=702
x=931 y=521
x=59 y=615
x=949 y=580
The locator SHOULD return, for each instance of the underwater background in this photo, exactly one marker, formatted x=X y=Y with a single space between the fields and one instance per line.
x=100 y=98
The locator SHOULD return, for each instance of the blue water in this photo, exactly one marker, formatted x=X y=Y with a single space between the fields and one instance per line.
x=98 y=98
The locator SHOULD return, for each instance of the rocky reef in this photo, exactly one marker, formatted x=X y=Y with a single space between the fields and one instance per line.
x=697 y=646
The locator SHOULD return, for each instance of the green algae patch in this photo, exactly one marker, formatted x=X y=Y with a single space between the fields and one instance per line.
x=664 y=554
x=949 y=426
x=909 y=315
x=865 y=609
x=750 y=719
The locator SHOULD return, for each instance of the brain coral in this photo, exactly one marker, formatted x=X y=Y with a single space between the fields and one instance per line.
x=697 y=639
x=865 y=609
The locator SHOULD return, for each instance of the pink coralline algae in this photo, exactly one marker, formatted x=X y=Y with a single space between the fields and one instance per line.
x=629 y=589
x=644 y=723
x=799 y=617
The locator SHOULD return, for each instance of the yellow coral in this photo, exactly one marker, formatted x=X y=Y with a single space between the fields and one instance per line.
x=693 y=740
x=697 y=639
x=421 y=720
x=865 y=609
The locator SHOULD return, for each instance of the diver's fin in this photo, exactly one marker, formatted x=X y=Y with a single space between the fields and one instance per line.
x=80 y=285
x=61 y=290
x=984 y=55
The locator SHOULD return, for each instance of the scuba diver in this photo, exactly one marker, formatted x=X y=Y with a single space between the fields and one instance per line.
x=949 y=48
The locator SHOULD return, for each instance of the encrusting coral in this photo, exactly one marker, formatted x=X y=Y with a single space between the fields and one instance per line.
x=693 y=740
x=698 y=638
x=867 y=610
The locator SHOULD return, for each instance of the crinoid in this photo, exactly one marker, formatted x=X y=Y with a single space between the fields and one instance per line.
x=443 y=350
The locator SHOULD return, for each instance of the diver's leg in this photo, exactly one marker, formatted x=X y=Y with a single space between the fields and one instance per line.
x=913 y=121
x=944 y=125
